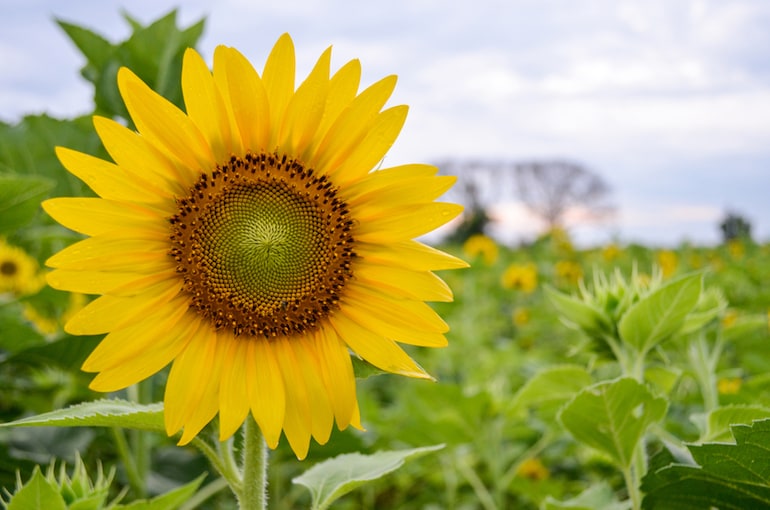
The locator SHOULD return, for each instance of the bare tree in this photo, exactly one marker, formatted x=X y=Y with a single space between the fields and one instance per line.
x=549 y=189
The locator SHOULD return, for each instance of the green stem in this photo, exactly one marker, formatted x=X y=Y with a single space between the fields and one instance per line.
x=228 y=472
x=253 y=495
x=129 y=464
x=482 y=493
x=633 y=488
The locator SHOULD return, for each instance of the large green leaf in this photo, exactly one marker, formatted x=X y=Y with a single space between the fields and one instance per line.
x=727 y=476
x=38 y=494
x=613 y=416
x=332 y=479
x=550 y=388
x=154 y=52
x=661 y=313
x=100 y=413
x=20 y=197
x=720 y=420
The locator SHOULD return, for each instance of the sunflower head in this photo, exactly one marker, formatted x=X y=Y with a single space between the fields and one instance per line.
x=19 y=272
x=249 y=242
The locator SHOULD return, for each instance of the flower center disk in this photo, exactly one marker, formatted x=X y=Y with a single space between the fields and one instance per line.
x=263 y=246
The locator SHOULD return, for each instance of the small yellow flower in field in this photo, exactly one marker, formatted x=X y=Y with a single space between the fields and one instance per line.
x=252 y=242
x=568 y=271
x=611 y=252
x=736 y=249
x=48 y=325
x=643 y=280
x=668 y=261
x=533 y=469
x=729 y=318
x=729 y=386
x=19 y=272
x=695 y=260
x=521 y=277
x=479 y=245
x=521 y=316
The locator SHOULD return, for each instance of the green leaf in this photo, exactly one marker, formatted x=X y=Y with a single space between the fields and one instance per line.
x=168 y=501
x=727 y=476
x=661 y=313
x=20 y=198
x=100 y=413
x=37 y=494
x=550 y=388
x=720 y=420
x=599 y=496
x=613 y=416
x=578 y=312
x=333 y=478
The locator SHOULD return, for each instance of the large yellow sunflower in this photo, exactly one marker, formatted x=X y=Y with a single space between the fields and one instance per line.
x=250 y=242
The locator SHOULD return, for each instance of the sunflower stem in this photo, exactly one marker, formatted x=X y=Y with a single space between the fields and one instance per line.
x=253 y=495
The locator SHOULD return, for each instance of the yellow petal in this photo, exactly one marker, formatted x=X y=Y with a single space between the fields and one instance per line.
x=372 y=148
x=190 y=374
x=141 y=159
x=96 y=254
x=248 y=98
x=206 y=107
x=352 y=125
x=397 y=330
x=337 y=374
x=418 y=190
x=204 y=411
x=321 y=415
x=126 y=344
x=107 y=179
x=267 y=394
x=164 y=124
x=416 y=314
x=402 y=223
x=233 y=392
x=156 y=354
x=95 y=216
x=305 y=109
x=278 y=77
x=109 y=313
x=343 y=87
x=379 y=351
x=296 y=424
x=418 y=285
x=409 y=254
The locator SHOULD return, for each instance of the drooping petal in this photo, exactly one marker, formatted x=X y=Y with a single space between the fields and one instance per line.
x=377 y=350
x=266 y=390
x=233 y=407
x=297 y=420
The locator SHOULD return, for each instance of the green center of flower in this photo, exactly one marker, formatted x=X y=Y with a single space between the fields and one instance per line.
x=263 y=246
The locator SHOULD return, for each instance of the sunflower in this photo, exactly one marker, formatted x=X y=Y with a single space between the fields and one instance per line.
x=18 y=271
x=251 y=243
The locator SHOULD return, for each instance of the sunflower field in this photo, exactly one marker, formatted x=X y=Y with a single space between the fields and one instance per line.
x=616 y=377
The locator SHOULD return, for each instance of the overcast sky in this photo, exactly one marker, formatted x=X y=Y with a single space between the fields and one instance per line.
x=669 y=100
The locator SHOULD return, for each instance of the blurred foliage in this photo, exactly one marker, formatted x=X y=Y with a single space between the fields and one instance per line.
x=515 y=383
